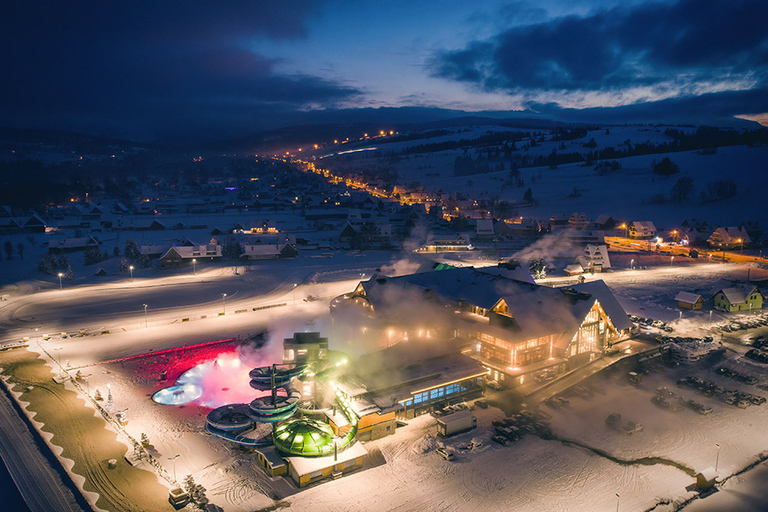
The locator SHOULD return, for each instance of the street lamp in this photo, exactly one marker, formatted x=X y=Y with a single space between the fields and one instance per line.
x=60 y=286
x=294 y=292
x=672 y=260
x=617 y=502
x=146 y=322
x=194 y=266
x=632 y=264
x=717 y=457
x=710 y=316
x=741 y=242
x=131 y=269
x=223 y=303
x=174 y=465
x=58 y=357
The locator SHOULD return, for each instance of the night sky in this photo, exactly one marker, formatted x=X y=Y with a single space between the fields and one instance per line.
x=172 y=69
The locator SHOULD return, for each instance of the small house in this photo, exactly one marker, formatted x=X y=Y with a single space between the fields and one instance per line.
x=642 y=230
x=687 y=300
x=183 y=255
x=737 y=297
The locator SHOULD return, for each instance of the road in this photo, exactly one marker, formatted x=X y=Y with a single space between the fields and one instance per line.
x=40 y=485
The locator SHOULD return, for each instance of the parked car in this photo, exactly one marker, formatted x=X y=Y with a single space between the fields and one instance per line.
x=503 y=441
x=444 y=453
x=482 y=403
x=494 y=385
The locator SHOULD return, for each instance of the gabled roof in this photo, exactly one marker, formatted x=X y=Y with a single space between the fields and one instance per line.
x=738 y=294
x=201 y=251
x=643 y=224
x=688 y=297
x=734 y=291
x=73 y=243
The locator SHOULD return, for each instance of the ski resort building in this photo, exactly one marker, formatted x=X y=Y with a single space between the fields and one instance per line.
x=511 y=327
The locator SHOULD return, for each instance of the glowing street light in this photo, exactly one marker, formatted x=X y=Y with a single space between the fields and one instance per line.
x=194 y=266
x=223 y=303
x=60 y=286
x=294 y=292
x=710 y=316
x=672 y=260
x=131 y=269
x=717 y=457
x=632 y=264
x=174 y=464
x=146 y=322
x=58 y=357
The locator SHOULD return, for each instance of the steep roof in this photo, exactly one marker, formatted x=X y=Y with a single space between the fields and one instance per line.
x=688 y=297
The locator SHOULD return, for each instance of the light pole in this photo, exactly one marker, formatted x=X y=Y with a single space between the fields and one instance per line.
x=681 y=314
x=146 y=322
x=617 y=502
x=194 y=266
x=632 y=264
x=174 y=465
x=710 y=316
x=58 y=358
x=223 y=303
x=294 y=293
x=672 y=260
x=131 y=269
x=60 y=286
x=717 y=457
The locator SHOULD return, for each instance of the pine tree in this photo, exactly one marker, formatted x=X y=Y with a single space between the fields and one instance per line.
x=132 y=251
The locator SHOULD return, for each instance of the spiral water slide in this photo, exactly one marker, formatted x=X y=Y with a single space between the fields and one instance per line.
x=235 y=422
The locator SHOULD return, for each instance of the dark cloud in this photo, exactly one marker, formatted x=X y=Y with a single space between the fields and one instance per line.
x=152 y=68
x=690 y=40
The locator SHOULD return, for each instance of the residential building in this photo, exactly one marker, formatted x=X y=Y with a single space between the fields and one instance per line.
x=687 y=300
x=642 y=230
x=729 y=238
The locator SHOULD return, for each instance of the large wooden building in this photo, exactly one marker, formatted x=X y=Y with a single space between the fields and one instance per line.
x=512 y=327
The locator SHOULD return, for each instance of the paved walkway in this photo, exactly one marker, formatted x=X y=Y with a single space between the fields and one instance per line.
x=40 y=484
x=540 y=394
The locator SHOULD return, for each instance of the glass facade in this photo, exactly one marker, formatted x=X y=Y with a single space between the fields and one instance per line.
x=443 y=393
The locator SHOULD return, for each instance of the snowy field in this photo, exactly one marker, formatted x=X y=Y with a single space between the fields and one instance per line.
x=620 y=194
x=531 y=474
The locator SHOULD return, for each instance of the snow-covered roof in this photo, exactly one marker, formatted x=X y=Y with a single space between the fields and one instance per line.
x=307 y=465
x=688 y=297
x=644 y=225
x=201 y=251
x=386 y=377
x=735 y=292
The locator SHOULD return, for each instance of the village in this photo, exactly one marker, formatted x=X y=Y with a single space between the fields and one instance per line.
x=427 y=334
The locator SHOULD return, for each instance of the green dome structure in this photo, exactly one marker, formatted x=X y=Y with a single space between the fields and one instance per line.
x=305 y=437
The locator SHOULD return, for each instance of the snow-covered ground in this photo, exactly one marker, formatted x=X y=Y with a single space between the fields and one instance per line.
x=530 y=474
x=621 y=194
